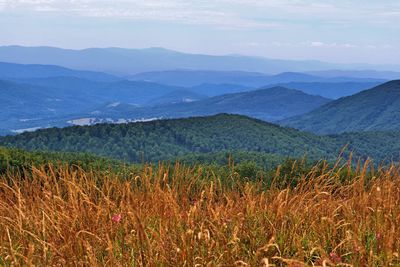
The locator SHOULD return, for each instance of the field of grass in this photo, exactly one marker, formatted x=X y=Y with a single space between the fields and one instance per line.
x=180 y=215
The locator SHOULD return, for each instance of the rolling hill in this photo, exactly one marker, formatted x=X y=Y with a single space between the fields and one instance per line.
x=330 y=90
x=376 y=109
x=174 y=97
x=134 y=92
x=169 y=139
x=270 y=104
x=28 y=106
x=210 y=89
x=44 y=102
x=190 y=78
x=214 y=83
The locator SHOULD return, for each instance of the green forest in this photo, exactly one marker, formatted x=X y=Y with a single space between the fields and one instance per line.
x=206 y=139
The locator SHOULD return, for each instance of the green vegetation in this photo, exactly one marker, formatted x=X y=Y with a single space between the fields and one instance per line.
x=377 y=109
x=249 y=208
x=260 y=159
x=207 y=140
x=169 y=139
x=12 y=159
x=177 y=215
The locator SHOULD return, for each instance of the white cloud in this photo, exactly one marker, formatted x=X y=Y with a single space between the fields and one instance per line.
x=226 y=13
x=196 y=12
x=317 y=44
x=314 y=44
x=322 y=44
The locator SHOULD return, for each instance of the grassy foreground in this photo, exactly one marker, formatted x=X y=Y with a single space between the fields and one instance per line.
x=190 y=216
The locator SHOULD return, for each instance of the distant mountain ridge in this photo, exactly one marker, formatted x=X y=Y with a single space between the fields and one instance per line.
x=190 y=78
x=372 y=74
x=130 y=61
x=34 y=96
x=25 y=71
x=269 y=104
x=376 y=109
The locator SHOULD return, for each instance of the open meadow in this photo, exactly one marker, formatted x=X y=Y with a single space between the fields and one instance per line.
x=177 y=215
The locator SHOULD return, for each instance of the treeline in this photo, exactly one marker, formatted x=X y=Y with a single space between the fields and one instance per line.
x=242 y=165
x=12 y=159
x=171 y=139
x=207 y=139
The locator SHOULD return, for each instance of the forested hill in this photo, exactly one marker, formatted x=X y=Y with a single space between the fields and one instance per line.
x=376 y=109
x=170 y=139
x=165 y=139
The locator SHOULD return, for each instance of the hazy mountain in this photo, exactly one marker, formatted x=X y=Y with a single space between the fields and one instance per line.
x=210 y=89
x=24 y=105
x=131 y=61
x=20 y=71
x=330 y=90
x=134 y=92
x=267 y=104
x=28 y=99
x=190 y=78
x=43 y=102
x=371 y=74
x=168 y=139
x=178 y=96
x=376 y=109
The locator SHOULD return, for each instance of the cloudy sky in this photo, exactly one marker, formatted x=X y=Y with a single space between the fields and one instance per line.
x=365 y=31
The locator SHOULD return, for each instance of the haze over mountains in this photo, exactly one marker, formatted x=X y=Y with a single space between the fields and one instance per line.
x=188 y=78
x=125 y=85
x=131 y=61
x=20 y=71
x=39 y=96
x=330 y=87
x=269 y=104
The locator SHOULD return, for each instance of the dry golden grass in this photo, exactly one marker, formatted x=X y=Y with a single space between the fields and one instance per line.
x=183 y=216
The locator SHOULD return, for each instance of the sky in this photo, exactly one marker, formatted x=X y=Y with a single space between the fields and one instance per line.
x=343 y=31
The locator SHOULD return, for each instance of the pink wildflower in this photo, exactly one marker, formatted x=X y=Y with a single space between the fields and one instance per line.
x=335 y=257
x=378 y=236
x=117 y=218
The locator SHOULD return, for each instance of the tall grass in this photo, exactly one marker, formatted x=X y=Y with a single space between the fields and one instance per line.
x=190 y=216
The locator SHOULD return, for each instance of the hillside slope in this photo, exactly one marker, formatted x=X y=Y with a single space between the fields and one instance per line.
x=44 y=102
x=165 y=139
x=178 y=96
x=377 y=109
x=169 y=139
x=267 y=104
x=333 y=90
x=23 y=105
